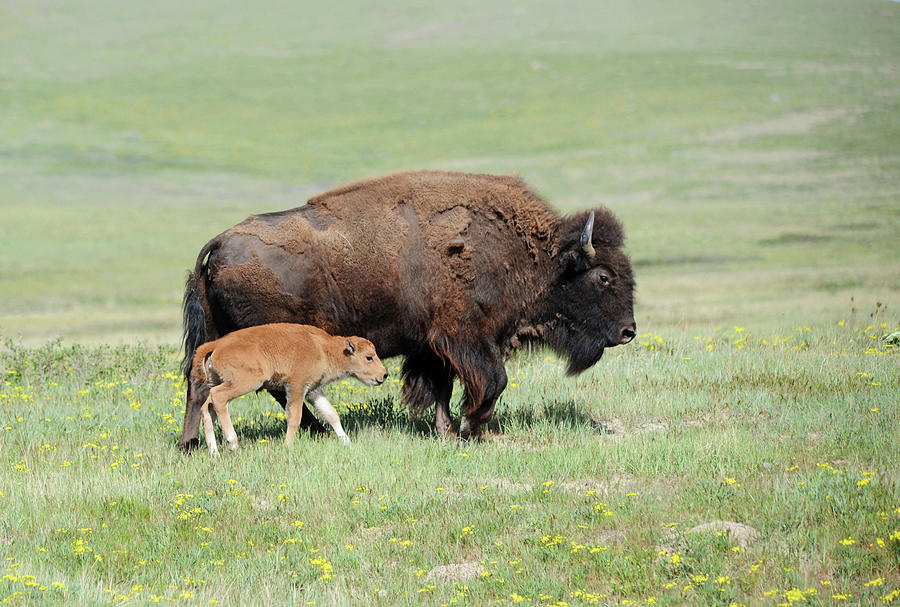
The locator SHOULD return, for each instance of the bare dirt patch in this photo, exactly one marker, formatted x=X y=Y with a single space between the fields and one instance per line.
x=616 y=482
x=754 y=157
x=795 y=123
x=806 y=68
x=743 y=535
x=510 y=485
x=373 y=533
x=454 y=572
x=617 y=430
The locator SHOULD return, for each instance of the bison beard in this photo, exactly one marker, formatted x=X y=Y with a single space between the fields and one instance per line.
x=582 y=351
x=450 y=270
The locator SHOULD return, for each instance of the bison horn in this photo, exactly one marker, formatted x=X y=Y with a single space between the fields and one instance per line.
x=586 y=244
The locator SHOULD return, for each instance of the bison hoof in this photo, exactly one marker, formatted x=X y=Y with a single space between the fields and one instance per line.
x=445 y=430
x=465 y=428
x=189 y=445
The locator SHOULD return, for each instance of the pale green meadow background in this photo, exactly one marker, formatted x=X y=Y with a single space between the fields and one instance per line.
x=752 y=152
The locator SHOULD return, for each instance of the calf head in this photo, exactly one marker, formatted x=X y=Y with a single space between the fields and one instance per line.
x=362 y=361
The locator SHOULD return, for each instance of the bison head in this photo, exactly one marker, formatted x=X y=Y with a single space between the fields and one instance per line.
x=591 y=302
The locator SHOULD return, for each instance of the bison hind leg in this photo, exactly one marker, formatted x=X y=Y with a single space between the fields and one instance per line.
x=484 y=377
x=197 y=393
x=308 y=421
x=427 y=380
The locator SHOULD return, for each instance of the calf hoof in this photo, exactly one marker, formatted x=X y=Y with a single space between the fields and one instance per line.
x=232 y=446
x=345 y=440
x=214 y=453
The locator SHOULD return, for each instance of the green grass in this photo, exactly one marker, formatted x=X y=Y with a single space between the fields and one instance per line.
x=582 y=491
x=751 y=153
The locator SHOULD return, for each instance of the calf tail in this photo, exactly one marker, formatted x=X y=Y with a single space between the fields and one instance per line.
x=195 y=308
x=201 y=371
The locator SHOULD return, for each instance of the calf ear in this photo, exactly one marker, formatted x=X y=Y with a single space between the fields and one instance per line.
x=349 y=348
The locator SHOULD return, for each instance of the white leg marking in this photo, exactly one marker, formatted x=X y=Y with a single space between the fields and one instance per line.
x=328 y=413
x=208 y=430
x=232 y=441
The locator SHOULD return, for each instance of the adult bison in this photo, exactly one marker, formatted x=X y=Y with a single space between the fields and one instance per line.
x=449 y=270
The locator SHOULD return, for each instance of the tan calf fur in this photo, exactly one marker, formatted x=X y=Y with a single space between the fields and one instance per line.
x=300 y=359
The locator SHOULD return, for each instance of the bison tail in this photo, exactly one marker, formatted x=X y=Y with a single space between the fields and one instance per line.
x=194 y=330
x=194 y=309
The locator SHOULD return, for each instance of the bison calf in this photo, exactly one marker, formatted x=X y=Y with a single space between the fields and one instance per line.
x=298 y=359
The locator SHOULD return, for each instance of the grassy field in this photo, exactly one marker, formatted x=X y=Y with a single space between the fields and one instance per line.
x=584 y=492
x=751 y=151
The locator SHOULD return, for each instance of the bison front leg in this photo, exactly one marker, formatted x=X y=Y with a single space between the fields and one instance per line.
x=190 y=430
x=484 y=379
x=308 y=421
x=442 y=422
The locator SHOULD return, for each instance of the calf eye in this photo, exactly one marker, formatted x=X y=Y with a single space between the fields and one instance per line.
x=369 y=358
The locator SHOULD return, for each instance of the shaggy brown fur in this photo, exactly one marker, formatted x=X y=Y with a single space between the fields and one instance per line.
x=298 y=359
x=450 y=270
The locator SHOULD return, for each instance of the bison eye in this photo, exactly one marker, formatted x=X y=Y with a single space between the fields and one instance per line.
x=601 y=275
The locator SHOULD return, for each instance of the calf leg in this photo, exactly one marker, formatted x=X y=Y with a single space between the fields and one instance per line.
x=208 y=429
x=223 y=394
x=294 y=411
x=329 y=414
x=308 y=421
